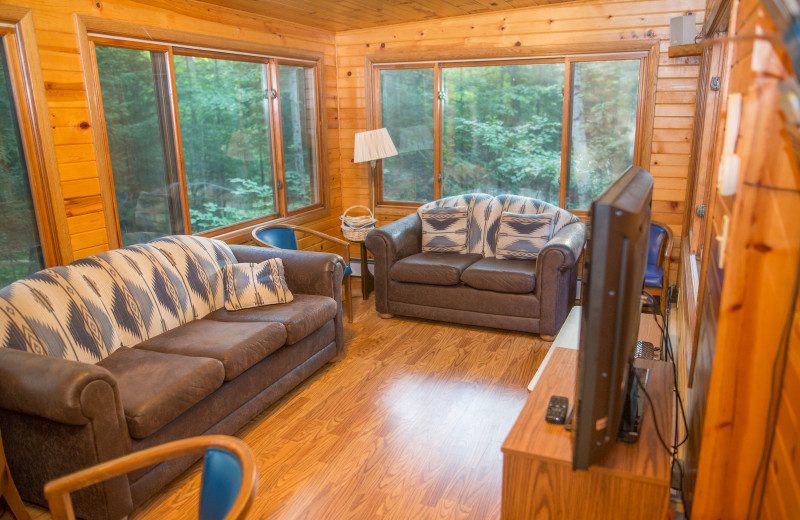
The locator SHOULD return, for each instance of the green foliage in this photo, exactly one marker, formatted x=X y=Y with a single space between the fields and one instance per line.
x=502 y=129
x=19 y=234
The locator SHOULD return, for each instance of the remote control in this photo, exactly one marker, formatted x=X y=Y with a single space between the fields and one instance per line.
x=556 y=409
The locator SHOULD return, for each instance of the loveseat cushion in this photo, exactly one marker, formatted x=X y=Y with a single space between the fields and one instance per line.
x=505 y=276
x=156 y=387
x=432 y=268
x=253 y=285
x=444 y=230
x=301 y=317
x=237 y=345
x=521 y=236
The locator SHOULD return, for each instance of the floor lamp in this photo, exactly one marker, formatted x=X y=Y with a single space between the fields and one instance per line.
x=371 y=146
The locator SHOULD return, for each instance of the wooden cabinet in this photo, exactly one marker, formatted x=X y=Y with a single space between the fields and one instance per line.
x=538 y=480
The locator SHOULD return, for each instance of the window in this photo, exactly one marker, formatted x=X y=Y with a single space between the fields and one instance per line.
x=557 y=129
x=22 y=252
x=201 y=140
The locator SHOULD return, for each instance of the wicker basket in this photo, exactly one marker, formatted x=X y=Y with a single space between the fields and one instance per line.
x=359 y=233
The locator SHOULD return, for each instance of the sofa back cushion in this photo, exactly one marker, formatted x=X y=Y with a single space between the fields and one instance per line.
x=484 y=212
x=200 y=263
x=141 y=291
x=56 y=313
x=524 y=206
x=477 y=205
x=444 y=230
x=521 y=236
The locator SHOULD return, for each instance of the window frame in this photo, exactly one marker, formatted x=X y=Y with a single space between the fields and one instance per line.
x=17 y=36
x=646 y=52
x=93 y=32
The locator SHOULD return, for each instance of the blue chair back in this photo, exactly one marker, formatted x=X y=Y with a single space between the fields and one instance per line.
x=283 y=238
x=657 y=234
x=222 y=479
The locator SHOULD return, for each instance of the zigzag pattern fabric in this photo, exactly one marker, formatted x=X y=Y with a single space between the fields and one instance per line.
x=200 y=262
x=444 y=230
x=477 y=205
x=140 y=290
x=253 y=285
x=522 y=206
x=521 y=237
x=52 y=313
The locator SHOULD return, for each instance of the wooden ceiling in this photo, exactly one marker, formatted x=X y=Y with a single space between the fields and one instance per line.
x=344 y=15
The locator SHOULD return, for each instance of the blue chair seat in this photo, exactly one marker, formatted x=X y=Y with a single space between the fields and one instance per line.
x=654 y=276
x=347 y=270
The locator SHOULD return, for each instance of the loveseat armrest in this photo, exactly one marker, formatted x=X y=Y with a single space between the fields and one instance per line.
x=57 y=417
x=388 y=244
x=307 y=272
x=556 y=276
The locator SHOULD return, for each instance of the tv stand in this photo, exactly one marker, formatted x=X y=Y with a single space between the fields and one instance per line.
x=631 y=483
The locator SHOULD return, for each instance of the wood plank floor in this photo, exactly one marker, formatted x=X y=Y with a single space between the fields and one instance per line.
x=409 y=426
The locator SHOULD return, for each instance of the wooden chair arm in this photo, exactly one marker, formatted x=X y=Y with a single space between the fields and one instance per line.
x=57 y=492
x=319 y=234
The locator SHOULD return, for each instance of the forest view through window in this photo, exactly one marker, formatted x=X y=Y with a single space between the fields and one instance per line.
x=229 y=163
x=503 y=128
x=19 y=234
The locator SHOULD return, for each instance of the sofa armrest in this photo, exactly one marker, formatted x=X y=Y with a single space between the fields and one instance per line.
x=307 y=272
x=388 y=244
x=556 y=275
x=60 y=390
x=60 y=416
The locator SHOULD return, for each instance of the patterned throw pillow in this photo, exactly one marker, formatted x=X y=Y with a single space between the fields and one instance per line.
x=521 y=237
x=444 y=230
x=252 y=285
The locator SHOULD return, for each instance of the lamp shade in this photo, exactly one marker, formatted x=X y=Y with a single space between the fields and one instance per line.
x=373 y=145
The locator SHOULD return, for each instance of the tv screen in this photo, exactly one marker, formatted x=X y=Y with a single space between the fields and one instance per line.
x=613 y=280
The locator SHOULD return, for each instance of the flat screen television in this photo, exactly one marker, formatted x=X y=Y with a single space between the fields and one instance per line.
x=613 y=280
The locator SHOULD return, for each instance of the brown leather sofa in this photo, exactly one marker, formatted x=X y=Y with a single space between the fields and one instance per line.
x=477 y=288
x=144 y=372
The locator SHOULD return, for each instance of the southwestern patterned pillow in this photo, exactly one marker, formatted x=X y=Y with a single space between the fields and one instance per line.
x=444 y=230
x=521 y=237
x=252 y=285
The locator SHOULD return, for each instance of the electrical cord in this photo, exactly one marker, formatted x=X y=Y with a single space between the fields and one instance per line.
x=670 y=355
x=775 y=391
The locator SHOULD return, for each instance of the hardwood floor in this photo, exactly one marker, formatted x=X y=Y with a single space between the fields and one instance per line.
x=408 y=426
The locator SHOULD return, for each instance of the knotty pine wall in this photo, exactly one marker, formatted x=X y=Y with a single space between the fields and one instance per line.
x=586 y=22
x=67 y=99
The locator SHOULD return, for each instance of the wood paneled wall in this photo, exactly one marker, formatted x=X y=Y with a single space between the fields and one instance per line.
x=67 y=98
x=750 y=370
x=585 y=23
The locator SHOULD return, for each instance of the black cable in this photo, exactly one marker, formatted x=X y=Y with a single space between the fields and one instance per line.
x=670 y=355
x=775 y=391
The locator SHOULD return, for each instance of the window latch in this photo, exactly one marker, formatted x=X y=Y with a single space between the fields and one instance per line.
x=715 y=83
x=442 y=95
x=280 y=184
x=272 y=93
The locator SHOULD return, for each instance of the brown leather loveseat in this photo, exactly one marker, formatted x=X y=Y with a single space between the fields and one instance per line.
x=134 y=347
x=475 y=287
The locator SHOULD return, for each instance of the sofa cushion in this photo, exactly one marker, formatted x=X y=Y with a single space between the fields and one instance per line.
x=156 y=387
x=524 y=206
x=253 y=285
x=477 y=205
x=432 y=268
x=505 y=276
x=140 y=290
x=200 y=262
x=521 y=236
x=237 y=345
x=444 y=230
x=301 y=317
x=54 y=314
